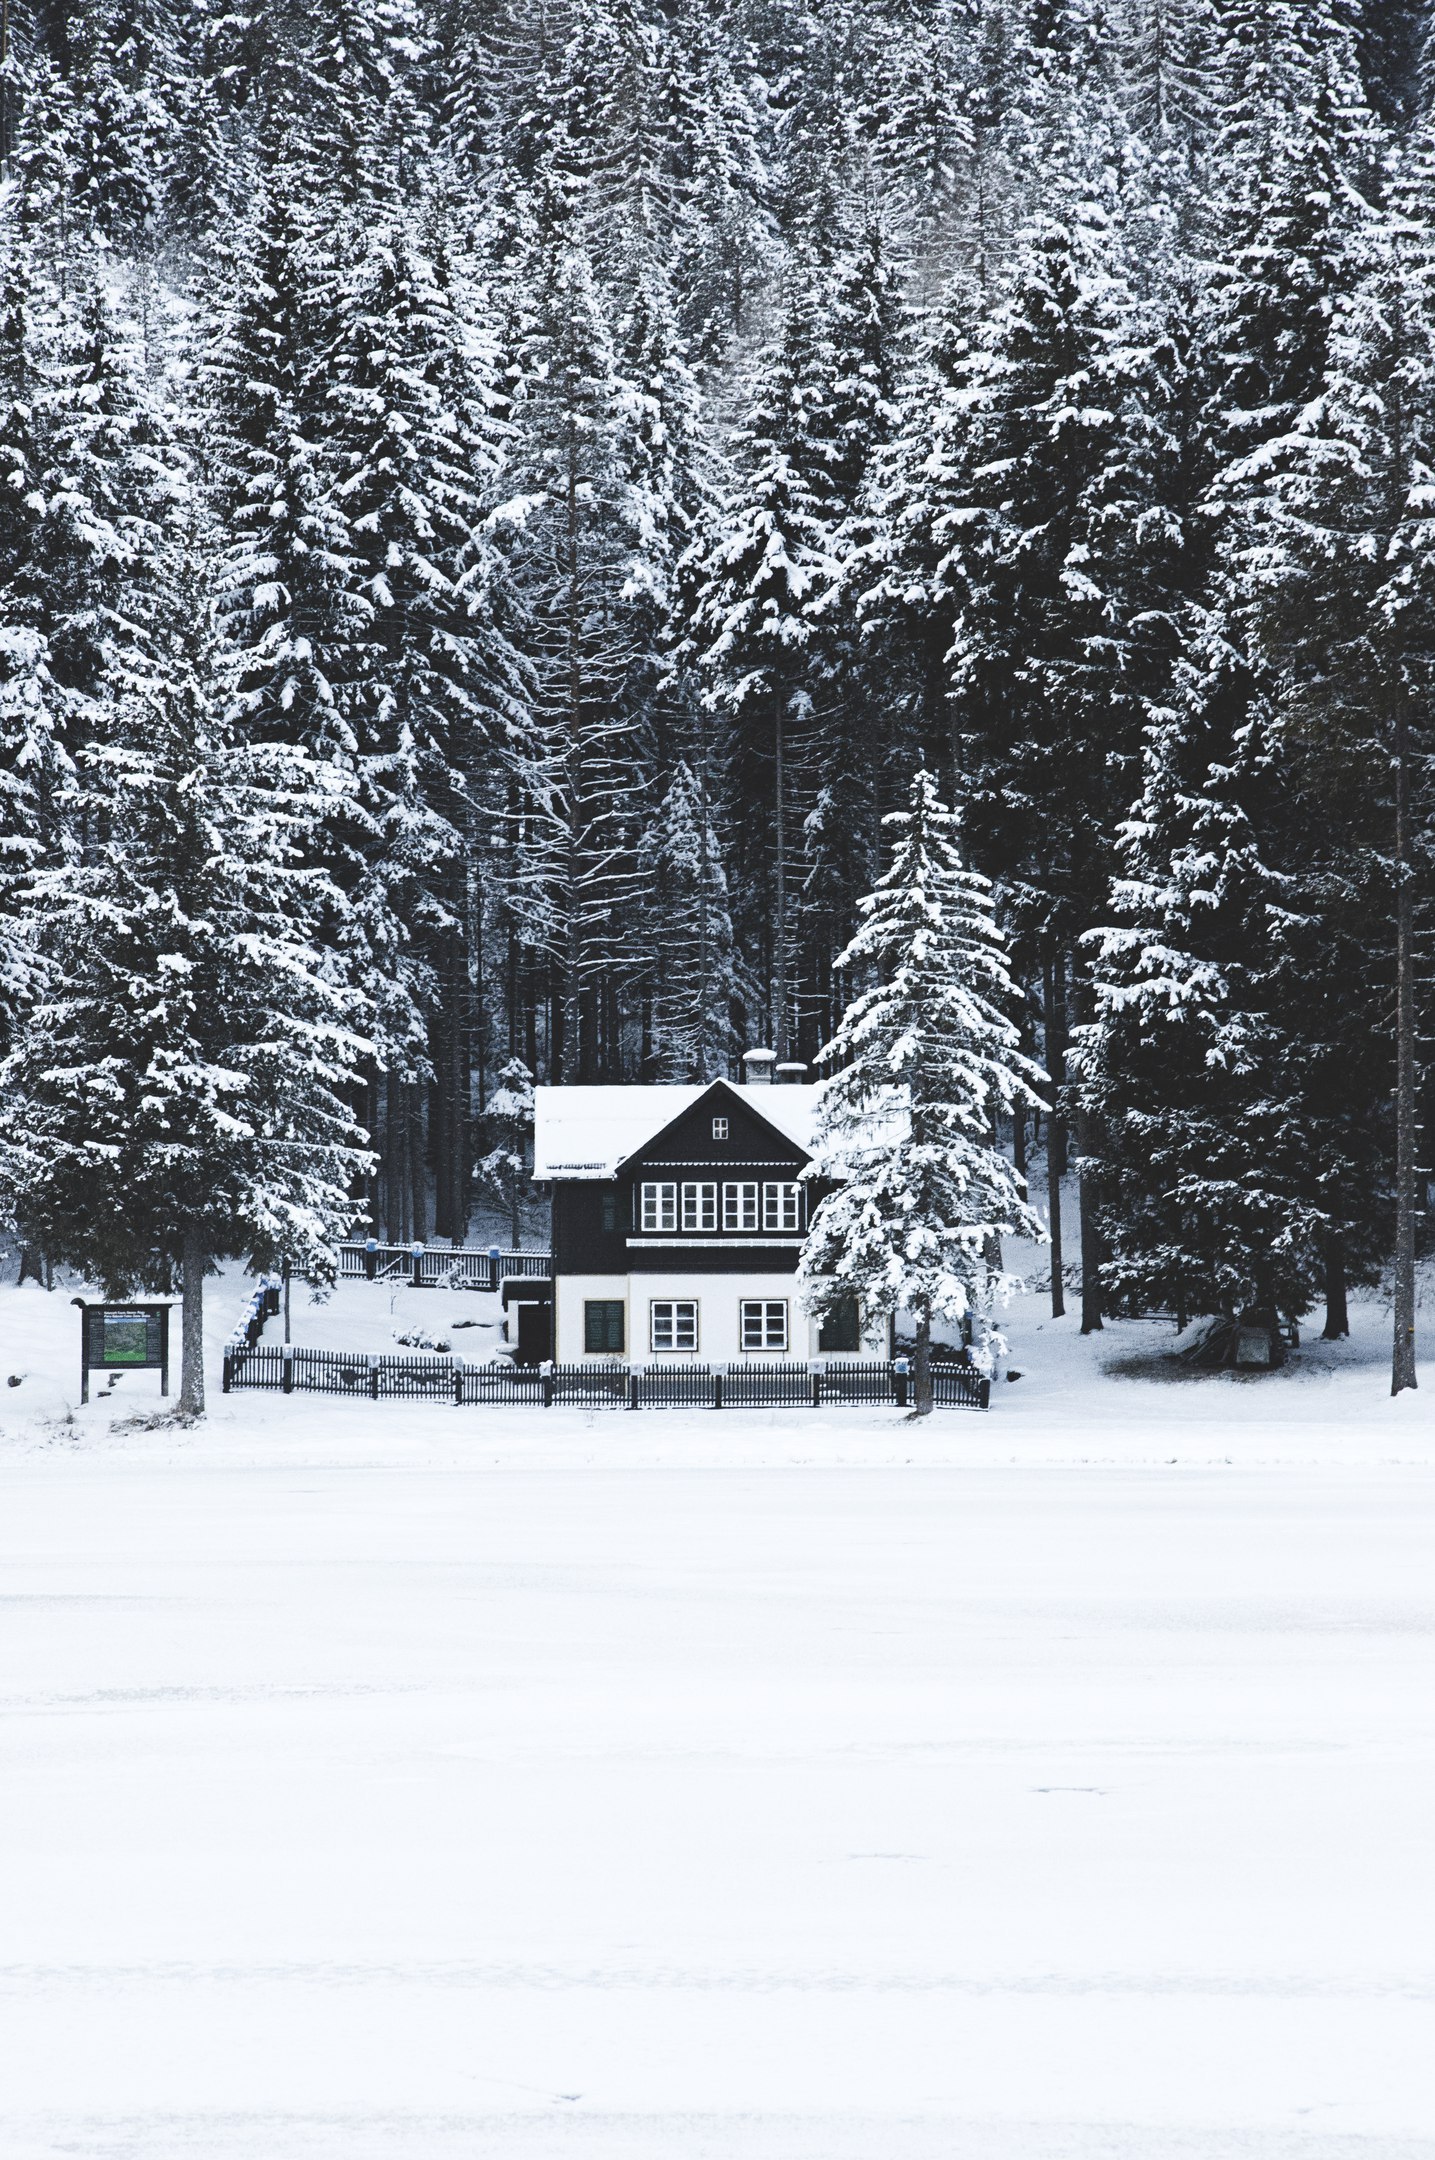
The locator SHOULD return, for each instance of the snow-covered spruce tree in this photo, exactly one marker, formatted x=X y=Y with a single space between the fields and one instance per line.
x=182 y=1087
x=300 y=645
x=920 y=69
x=924 y=1058
x=90 y=468
x=764 y=558
x=505 y=1172
x=409 y=438
x=33 y=773
x=1034 y=567
x=1190 y=1069
x=573 y=520
x=695 y=974
x=298 y=639
x=1344 y=607
x=33 y=708
x=1169 y=47
x=1208 y=1054
x=855 y=744
x=722 y=246
x=124 y=70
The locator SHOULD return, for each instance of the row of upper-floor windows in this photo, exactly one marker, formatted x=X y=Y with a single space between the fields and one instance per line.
x=747 y=1204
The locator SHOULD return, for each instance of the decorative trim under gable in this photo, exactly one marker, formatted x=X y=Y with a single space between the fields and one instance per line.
x=735 y=1242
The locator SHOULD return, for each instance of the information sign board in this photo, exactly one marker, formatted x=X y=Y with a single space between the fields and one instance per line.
x=123 y=1338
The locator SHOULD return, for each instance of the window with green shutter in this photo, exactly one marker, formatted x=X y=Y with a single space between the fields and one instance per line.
x=603 y=1325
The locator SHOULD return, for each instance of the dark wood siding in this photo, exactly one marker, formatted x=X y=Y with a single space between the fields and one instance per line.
x=583 y=1242
x=733 y=1259
x=689 y=1139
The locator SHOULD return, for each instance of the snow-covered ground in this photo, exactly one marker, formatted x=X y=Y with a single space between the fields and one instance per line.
x=406 y=1783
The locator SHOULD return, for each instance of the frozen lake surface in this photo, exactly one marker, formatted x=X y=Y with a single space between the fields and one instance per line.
x=385 y=1785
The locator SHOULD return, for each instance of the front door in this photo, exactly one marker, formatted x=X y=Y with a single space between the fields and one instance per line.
x=535 y=1334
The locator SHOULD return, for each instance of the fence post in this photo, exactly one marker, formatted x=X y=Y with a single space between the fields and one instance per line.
x=899 y=1376
x=548 y=1387
x=373 y=1379
x=416 y=1262
x=984 y=1395
x=717 y=1391
x=371 y=1257
x=817 y=1387
x=228 y=1381
x=495 y=1268
x=458 y=1380
x=288 y=1381
x=632 y=1391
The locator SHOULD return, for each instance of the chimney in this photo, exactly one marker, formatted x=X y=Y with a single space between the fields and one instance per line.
x=757 y=1067
x=791 y=1075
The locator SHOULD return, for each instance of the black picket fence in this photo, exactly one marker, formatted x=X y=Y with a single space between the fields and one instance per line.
x=773 y=1384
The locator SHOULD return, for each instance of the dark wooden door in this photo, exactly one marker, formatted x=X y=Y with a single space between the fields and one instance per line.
x=535 y=1334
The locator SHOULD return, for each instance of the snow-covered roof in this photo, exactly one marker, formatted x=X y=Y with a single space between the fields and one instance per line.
x=587 y=1132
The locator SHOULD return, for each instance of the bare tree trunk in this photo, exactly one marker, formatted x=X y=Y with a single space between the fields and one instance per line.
x=779 y=1028
x=1403 y=1373
x=389 y=1154
x=378 y=1109
x=194 y=1265
x=922 y=1368
x=1337 y=1306
x=1055 y=1133
x=417 y=1168
x=1091 y=1320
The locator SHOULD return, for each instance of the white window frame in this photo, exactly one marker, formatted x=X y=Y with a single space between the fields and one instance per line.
x=700 y=1206
x=659 y=1206
x=742 y=1205
x=782 y=1206
x=767 y=1320
x=673 y=1326
x=719 y=1128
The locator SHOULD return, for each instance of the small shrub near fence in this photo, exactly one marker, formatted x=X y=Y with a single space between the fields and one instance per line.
x=769 y=1385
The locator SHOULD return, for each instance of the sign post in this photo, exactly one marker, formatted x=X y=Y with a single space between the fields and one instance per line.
x=123 y=1338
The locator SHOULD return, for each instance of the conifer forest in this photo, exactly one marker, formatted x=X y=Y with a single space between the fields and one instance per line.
x=498 y=498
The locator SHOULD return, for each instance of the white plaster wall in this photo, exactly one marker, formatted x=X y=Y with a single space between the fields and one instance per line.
x=570 y=1292
x=719 y=1329
x=719 y=1325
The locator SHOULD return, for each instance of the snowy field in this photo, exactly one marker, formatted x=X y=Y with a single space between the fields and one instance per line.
x=388 y=1783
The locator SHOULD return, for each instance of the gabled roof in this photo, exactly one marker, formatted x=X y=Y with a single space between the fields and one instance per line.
x=794 y=1127
x=590 y=1132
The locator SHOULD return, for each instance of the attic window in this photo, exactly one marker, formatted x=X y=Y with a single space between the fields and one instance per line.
x=719 y=1128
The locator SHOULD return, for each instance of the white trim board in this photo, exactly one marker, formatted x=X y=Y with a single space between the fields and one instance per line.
x=736 y=1241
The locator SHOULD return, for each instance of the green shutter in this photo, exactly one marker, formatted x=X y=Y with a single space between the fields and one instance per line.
x=603 y=1326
